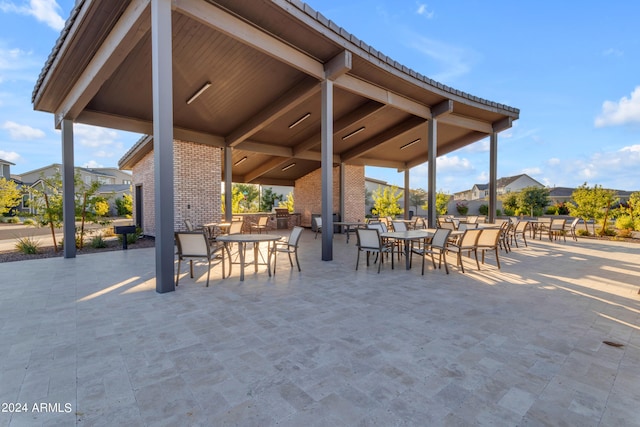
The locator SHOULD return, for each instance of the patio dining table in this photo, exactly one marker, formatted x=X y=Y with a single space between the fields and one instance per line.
x=212 y=226
x=347 y=226
x=411 y=235
x=242 y=240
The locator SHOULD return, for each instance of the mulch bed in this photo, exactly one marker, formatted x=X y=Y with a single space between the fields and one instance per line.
x=49 y=252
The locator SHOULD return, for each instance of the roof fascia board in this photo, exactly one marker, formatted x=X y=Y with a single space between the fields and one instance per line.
x=289 y=100
x=222 y=21
x=128 y=31
x=381 y=138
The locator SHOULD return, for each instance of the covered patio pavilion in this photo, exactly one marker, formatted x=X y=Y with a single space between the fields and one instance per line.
x=280 y=88
x=329 y=346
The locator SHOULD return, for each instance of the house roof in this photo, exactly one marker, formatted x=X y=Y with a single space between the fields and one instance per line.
x=263 y=62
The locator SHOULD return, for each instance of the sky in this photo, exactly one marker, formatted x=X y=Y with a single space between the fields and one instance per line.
x=573 y=70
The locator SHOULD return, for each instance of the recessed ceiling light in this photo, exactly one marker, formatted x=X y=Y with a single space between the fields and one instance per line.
x=288 y=167
x=410 y=144
x=355 y=132
x=204 y=87
x=300 y=120
x=240 y=161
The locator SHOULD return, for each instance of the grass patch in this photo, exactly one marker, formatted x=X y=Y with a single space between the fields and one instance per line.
x=28 y=245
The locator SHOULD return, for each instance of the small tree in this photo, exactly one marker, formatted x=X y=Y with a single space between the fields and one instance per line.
x=269 y=198
x=510 y=203
x=288 y=202
x=386 y=202
x=442 y=204
x=10 y=195
x=592 y=203
x=417 y=198
x=533 y=199
x=250 y=196
x=124 y=205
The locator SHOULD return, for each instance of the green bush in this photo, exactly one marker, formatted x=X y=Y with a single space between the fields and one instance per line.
x=28 y=245
x=483 y=209
x=636 y=224
x=13 y=220
x=624 y=222
x=607 y=232
x=29 y=221
x=551 y=210
x=98 y=242
x=498 y=212
x=582 y=232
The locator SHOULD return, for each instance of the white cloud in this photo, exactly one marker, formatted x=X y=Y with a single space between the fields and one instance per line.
x=422 y=10
x=453 y=163
x=46 y=11
x=625 y=111
x=94 y=137
x=532 y=171
x=10 y=156
x=454 y=61
x=92 y=164
x=22 y=132
x=613 y=52
x=554 y=161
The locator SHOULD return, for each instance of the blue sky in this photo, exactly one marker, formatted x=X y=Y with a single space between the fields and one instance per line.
x=574 y=73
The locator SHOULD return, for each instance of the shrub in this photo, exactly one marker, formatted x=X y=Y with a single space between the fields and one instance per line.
x=13 y=220
x=607 y=232
x=462 y=208
x=624 y=222
x=582 y=232
x=98 y=242
x=28 y=245
x=29 y=221
x=551 y=210
x=624 y=232
x=483 y=209
x=498 y=212
x=636 y=224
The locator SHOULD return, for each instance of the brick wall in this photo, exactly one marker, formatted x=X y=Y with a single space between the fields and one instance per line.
x=197 y=192
x=308 y=190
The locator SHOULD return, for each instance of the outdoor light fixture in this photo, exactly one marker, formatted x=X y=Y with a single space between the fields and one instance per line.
x=357 y=131
x=300 y=120
x=206 y=86
x=240 y=161
x=288 y=167
x=410 y=144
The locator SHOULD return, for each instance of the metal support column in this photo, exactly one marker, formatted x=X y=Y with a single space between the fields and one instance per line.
x=343 y=187
x=407 y=194
x=493 y=176
x=68 y=190
x=327 y=170
x=432 y=142
x=162 y=83
x=228 y=178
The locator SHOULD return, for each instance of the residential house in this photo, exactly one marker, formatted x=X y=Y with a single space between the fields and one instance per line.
x=506 y=185
x=115 y=182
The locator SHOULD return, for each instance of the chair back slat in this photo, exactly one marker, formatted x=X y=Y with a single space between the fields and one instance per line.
x=440 y=237
x=368 y=238
x=399 y=226
x=294 y=237
x=236 y=227
x=489 y=237
x=192 y=244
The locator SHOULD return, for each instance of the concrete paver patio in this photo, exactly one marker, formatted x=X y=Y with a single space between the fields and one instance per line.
x=91 y=339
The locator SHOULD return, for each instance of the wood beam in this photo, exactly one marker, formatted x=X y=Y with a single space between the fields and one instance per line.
x=221 y=20
x=362 y=113
x=467 y=123
x=376 y=93
x=132 y=26
x=289 y=100
x=445 y=107
x=381 y=138
x=113 y=121
x=338 y=65
x=502 y=124
x=269 y=165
